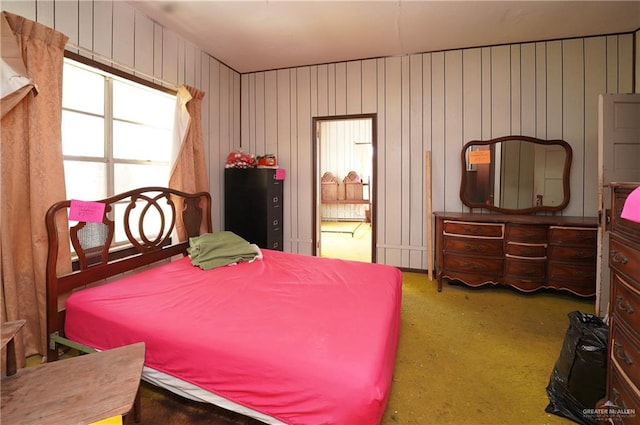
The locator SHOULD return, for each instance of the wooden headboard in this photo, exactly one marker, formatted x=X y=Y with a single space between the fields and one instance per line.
x=137 y=229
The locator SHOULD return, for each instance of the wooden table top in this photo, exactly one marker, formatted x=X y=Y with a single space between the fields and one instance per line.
x=79 y=390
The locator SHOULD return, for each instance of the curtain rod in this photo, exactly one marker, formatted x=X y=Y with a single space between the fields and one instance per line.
x=112 y=63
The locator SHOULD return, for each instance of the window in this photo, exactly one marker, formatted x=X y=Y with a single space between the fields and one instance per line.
x=116 y=134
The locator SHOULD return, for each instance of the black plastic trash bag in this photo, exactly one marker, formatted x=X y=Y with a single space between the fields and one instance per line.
x=578 y=380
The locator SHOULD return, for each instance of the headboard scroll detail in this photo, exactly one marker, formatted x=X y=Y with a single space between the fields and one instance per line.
x=142 y=221
x=143 y=218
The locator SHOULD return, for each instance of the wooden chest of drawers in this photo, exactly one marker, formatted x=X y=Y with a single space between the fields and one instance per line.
x=524 y=251
x=623 y=374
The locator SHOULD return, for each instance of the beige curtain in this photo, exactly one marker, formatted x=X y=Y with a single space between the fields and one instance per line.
x=189 y=172
x=32 y=178
x=15 y=80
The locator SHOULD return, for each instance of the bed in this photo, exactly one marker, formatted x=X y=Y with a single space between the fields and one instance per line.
x=284 y=338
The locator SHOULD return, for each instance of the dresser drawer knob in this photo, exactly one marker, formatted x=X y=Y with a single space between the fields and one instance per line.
x=628 y=307
x=617 y=257
x=616 y=399
x=581 y=254
x=472 y=266
x=621 y=354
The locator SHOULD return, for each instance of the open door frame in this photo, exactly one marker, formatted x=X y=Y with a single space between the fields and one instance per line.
x=316 y=121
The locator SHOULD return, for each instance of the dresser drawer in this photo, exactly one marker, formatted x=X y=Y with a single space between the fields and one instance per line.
x=572 y=253
x=625 y=302
x=619 y=224
x=470 y=229
x=530 y=250
x=585 y=273
x=625 y=350
x=526 y=233
x=476 y=246
x=624 y=258
x=561 y=235
x=531 y=270
x=626 y=405
x=485 y=266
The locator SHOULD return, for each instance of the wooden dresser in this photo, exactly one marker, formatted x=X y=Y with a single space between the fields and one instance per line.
x=623 y=373
x=527 y=252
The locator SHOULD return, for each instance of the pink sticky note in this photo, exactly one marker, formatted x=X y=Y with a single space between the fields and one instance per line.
x=631 y=208
x=280 y=173
x=91 y=212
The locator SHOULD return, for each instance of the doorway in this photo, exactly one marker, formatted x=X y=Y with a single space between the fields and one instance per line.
x=345 y=187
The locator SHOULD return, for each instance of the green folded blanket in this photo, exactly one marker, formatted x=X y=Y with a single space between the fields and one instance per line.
x=220 y=249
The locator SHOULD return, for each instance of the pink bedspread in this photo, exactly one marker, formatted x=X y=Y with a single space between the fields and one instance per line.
x=303 y=339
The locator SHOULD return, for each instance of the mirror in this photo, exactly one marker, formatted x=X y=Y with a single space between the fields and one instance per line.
x=516 y=174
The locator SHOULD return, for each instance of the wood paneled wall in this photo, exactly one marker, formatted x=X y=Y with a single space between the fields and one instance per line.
x=432 y=101
x=114 y=33
x=437 y=102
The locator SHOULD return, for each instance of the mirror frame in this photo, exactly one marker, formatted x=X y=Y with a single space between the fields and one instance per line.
x=534 y=209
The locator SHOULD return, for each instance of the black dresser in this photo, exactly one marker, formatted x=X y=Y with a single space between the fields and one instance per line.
x=253 y=205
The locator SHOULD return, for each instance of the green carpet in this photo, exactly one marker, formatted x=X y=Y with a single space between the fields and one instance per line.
x=465 y=356
x=477 y=356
